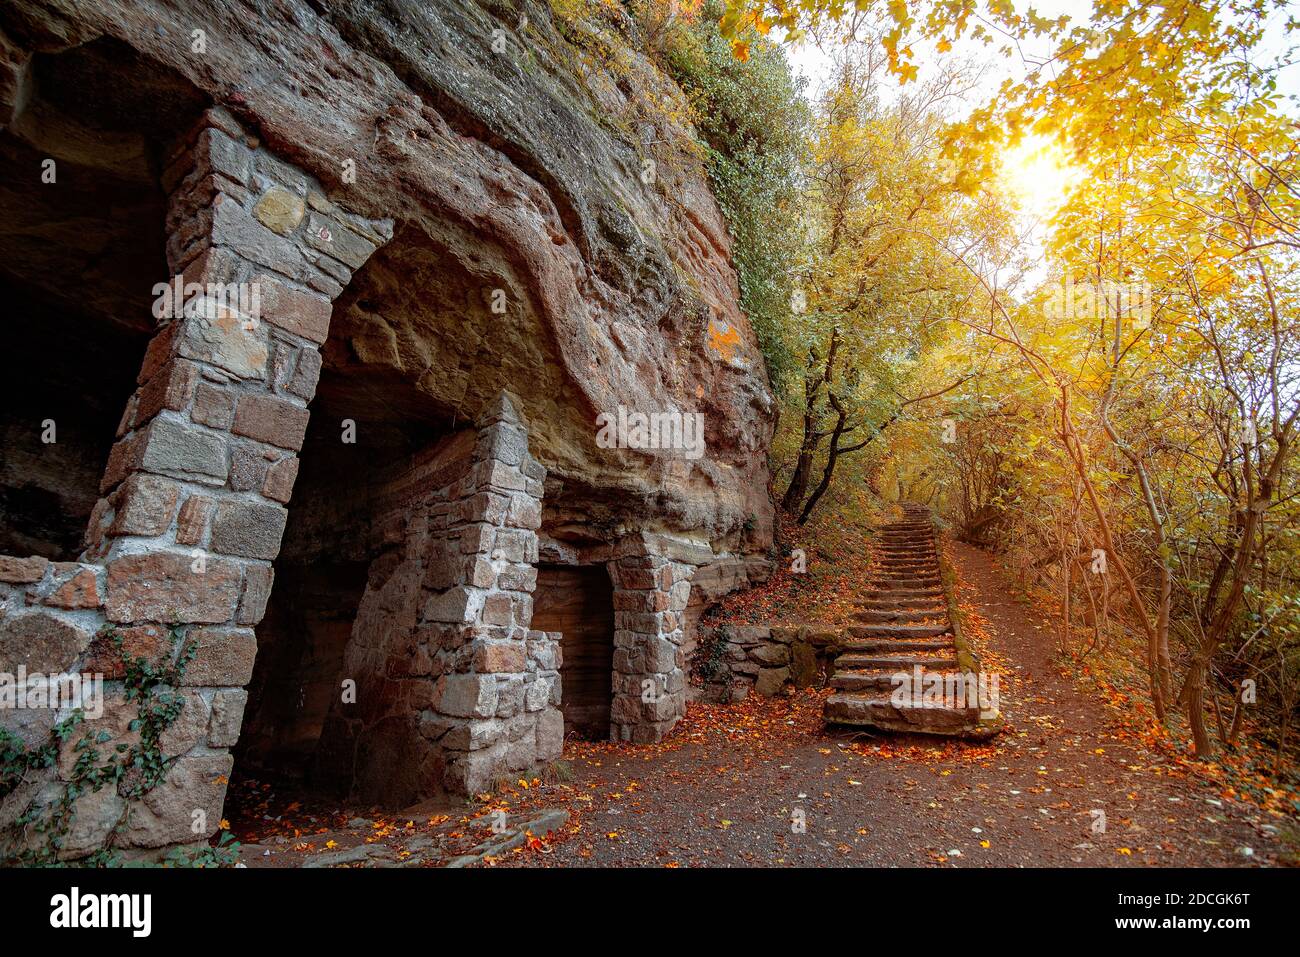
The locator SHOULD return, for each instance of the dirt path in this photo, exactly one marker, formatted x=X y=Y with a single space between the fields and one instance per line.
x=731 y=784
x=726 y=788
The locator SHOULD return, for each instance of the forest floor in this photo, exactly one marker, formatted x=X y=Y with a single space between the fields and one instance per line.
x=1078 y=778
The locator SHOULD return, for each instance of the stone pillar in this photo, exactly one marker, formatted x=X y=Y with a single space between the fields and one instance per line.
x=194 y=493
x=494 y=708
x=651 y=592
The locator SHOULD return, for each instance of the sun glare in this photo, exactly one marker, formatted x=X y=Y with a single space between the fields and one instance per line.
x=1039 y=173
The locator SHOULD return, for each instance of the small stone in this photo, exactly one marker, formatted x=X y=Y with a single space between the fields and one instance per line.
x=22 y=571
x=280 y=210
x=81 y=590
x=213 y=406
x=280 y=478
x=193 y=519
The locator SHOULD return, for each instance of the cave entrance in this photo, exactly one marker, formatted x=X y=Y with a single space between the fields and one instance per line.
x=345 y=540
x=578 y=602
x=82 y=243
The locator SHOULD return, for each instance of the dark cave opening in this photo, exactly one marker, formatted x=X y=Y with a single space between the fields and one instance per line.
x=82 y=244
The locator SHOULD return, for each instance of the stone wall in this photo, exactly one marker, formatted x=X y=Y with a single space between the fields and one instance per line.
x=452 y=688
x=192 y=503
x=730 y=661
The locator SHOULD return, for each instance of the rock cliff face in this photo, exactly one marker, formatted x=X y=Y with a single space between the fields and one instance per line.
x=465 y=231
x=528 y=165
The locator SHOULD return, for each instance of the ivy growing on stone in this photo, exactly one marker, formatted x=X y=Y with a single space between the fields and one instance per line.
x=133 y=769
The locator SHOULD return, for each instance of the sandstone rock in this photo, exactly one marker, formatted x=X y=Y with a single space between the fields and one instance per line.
x=21 y=571
x=248 y=529
x=224 y=657
x=165 y=815
x=170 y=587
x=280 y=210
x=770 y=681
x=41 y=641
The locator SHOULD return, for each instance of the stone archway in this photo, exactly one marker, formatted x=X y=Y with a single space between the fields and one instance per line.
x=192 y=499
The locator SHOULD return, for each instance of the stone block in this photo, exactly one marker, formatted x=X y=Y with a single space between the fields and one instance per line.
x=171 y=388
x=272 y=420
x=303 y=313
x=213 y=406
x=41 y=641
x=223 y=657
x=227 y=715
x=306 y=374
x=770 y=681
x=183 y=450
x=165 y=814
x=258 y=580
x=192 y=521
x=216 y=333
x=78 y=587
x=496 y=657
x=454 y=605
x=166 y=587
x=248 y=529
x=280 y=478
x=550 y=734
x=337 y=240
x=145 y=505
x=22 y=571
x=465 y=696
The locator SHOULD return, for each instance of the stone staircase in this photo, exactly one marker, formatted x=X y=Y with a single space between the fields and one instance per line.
x=905 y=644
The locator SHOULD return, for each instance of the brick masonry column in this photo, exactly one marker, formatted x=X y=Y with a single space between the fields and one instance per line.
x=194 y=494
x=651 y=592
x=495 y=702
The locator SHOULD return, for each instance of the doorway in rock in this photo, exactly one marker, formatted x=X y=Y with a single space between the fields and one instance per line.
x=578 y=602
x=82 y=244
x=346 y=536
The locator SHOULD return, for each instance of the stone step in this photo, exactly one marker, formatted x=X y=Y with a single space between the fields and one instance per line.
x=863 y=680
x=877 y=711
x=856 y=662
x=899 y=631
x=900 y=591
x=904 y=645
x=899 y=614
